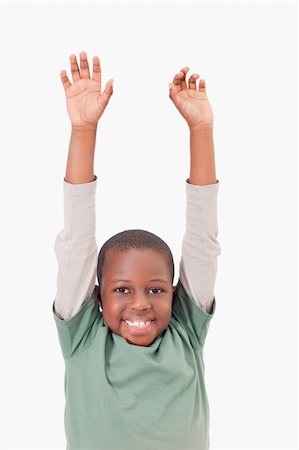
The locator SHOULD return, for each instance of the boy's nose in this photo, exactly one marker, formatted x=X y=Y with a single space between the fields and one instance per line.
x=140 y=302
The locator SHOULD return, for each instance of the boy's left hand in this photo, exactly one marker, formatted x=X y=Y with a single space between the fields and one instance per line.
x=192 y=102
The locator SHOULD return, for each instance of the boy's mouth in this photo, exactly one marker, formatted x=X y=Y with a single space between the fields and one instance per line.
x=138 y=327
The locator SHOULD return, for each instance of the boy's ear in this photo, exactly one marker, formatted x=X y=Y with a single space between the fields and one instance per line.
x=98 y=294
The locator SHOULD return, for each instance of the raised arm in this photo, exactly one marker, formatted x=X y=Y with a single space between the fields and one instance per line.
x=200 y=247
x=75 y=245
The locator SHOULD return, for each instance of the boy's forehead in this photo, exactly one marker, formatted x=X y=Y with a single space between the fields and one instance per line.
x=134 y=254
x=122 y=266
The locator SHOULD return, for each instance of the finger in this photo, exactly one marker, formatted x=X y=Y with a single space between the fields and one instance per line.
x=74 y=68
x=183 y=77
x=192 y=81
x=96 y=71
x=179 y=79
x=202 y=86
x=65 y=81
x=84 y=65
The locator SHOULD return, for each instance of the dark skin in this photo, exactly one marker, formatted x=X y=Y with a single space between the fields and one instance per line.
x=137 y=299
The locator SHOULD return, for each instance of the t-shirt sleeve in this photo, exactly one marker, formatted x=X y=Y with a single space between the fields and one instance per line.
x=191 y=316
x=76 y=333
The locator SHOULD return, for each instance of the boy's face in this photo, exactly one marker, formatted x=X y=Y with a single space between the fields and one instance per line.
x=139 y=298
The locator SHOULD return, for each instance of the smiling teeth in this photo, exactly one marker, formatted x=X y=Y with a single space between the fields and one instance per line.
x=138 y=324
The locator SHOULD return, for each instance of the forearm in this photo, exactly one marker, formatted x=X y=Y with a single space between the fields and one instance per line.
x=80 y=161
x=202 y=158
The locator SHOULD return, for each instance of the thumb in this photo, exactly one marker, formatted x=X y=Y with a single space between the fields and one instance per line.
x=109 y=87
x=107 y=92
x=172 y=92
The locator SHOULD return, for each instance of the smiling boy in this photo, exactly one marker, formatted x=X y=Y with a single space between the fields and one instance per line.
x=134 y=370
x=135 y=317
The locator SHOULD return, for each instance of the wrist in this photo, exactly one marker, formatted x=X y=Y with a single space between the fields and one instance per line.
x=201 y=129
x=86 y=128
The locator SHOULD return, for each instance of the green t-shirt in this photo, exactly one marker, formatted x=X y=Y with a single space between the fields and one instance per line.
x=121 y=396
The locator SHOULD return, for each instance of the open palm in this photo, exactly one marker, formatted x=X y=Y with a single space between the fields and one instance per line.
x=85 y=102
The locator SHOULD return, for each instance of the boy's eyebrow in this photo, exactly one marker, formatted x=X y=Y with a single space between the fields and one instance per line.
x=128 y=281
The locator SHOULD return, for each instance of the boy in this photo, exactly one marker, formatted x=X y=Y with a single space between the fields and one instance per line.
x=134 y=370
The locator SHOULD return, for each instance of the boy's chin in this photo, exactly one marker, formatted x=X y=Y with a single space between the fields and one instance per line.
x=139 y=343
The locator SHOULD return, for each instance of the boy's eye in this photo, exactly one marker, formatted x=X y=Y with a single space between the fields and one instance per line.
x=117 y=289
x=155 y=289
x=152 y=289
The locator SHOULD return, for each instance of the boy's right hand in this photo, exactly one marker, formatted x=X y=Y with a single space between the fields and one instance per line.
x=84 y=100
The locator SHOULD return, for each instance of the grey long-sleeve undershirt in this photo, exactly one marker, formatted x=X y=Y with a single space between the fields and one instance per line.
x=77 y=252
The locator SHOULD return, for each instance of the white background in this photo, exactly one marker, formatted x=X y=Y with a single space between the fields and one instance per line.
x=247 y=54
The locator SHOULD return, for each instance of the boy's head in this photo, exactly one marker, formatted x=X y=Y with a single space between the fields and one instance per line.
x=135 y=273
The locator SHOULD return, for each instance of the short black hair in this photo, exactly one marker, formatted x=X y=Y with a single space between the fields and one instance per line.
x=138 y=239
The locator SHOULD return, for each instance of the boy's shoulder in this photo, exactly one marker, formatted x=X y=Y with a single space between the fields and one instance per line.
x=190 y=315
